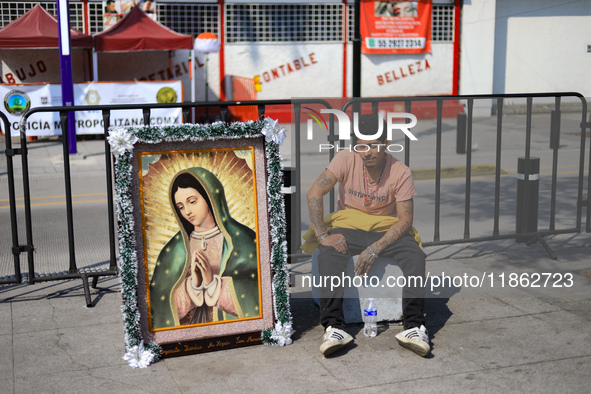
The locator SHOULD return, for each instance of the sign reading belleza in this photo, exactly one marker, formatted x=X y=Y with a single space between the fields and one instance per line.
x=389 y=27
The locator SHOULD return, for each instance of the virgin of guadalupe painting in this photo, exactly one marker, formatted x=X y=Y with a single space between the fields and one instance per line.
x=200 y=237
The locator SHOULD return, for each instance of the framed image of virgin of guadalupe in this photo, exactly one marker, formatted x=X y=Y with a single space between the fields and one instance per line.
x=199 y=208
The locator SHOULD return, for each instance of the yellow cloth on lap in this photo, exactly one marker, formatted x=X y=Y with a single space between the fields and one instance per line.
x=355 y=220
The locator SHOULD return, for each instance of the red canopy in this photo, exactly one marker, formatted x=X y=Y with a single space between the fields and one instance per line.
x=38 y=29
x=137 y=32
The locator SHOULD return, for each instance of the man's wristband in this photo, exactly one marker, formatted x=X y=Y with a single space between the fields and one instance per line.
x=322 y=237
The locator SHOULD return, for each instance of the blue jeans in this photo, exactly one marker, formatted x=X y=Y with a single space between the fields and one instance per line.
x=408 y=256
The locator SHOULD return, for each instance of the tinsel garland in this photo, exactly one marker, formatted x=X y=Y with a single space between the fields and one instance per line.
x=122 y=141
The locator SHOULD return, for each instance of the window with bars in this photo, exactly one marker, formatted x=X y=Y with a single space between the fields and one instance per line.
x=350 y=22
x=184 y=18
x=283 y=22
x=442 y=23
x=95 y=17
x=189 y=18
x=244 y=22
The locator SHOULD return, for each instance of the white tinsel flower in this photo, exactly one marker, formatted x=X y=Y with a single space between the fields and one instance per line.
x=121 y=141
x=138 y=357
x=282 y=334
x=273 y=132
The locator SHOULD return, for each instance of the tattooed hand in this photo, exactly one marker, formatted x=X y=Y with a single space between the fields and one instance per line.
x=337 y=241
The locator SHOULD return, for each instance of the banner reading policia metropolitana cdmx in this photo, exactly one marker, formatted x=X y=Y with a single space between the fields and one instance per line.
x=395 y=27
x=17 y=99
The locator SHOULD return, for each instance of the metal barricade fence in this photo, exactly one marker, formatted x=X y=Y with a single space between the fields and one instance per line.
x=295 y=217
x=73 y=272
x=16 y=248
x=553 y=141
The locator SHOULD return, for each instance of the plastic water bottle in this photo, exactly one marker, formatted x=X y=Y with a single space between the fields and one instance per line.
x=370 y=317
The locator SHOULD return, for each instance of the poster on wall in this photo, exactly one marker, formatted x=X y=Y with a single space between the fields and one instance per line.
x=114 y=10
x=395 y=27
x=17 y=99
x=112 y=13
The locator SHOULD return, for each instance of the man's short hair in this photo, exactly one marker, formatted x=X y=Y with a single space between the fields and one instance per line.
x=369 y=125
x=110 y=1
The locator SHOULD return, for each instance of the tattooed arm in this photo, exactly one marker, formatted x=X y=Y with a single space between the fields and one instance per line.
x=394 y=233
x=398 y=230
x=324 y=184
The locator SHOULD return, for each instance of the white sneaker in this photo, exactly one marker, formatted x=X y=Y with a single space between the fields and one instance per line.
x=333 y=340
x=415 y=339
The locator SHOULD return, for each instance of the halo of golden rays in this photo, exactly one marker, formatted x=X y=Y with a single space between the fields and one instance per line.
x=231 y=167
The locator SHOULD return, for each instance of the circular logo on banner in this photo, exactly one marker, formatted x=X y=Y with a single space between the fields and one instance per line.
x=17 y=102
x=166 y=95
x=92 y=97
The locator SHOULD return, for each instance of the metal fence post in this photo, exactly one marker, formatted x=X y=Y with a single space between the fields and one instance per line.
x=528 y=185
x=3 y=159
x=288 y=190
x=461 y=134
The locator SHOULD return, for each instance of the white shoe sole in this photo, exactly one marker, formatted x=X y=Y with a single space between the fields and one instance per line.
x=419 y=347
x=328 y=348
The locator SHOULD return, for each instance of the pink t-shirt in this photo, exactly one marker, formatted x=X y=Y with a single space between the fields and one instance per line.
x=396 y=184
